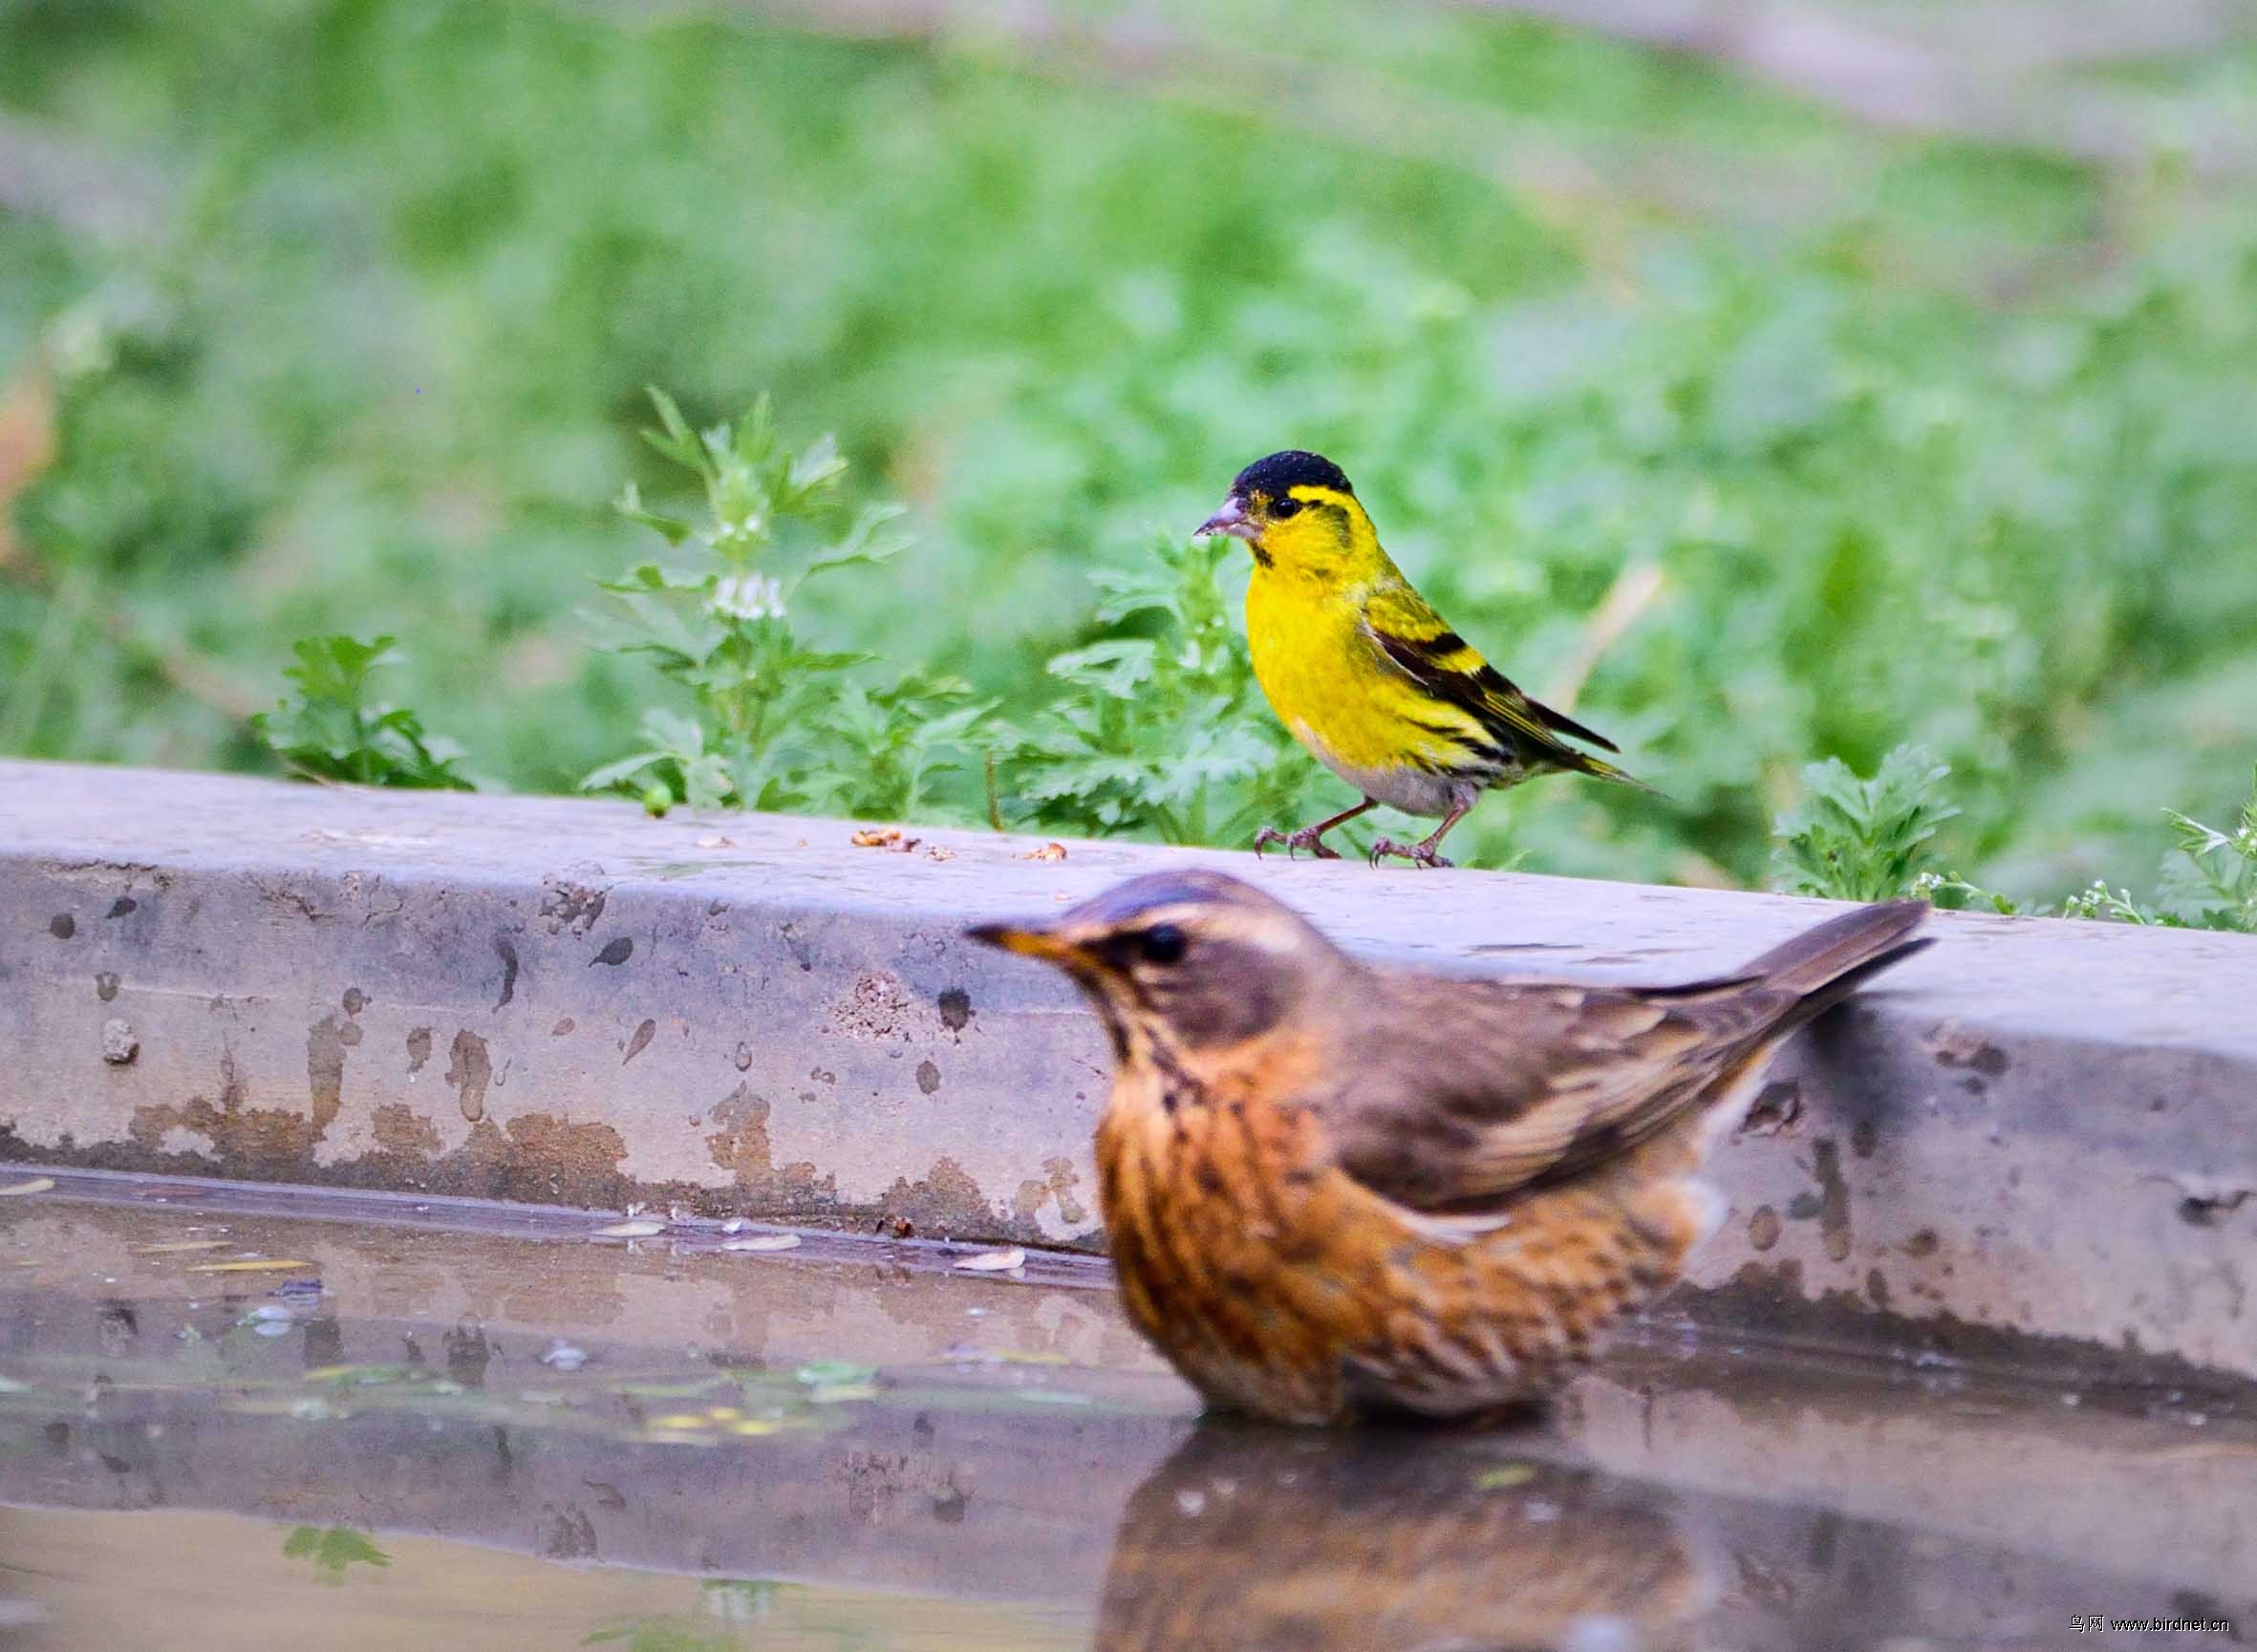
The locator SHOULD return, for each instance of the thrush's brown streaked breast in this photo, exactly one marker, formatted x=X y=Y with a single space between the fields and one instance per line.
x=1329 y=1185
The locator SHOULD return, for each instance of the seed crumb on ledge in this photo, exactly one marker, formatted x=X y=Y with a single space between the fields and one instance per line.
x=119 y=1044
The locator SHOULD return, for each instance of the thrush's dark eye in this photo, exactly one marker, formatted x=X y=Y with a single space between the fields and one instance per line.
x=1162 y=944
x=1285 y=508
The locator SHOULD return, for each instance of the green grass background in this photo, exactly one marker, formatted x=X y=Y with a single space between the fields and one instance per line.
x=1930 y=440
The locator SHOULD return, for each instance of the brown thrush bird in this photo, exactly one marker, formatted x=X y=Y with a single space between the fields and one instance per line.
x=1246 y=1541
x=1329 y=1185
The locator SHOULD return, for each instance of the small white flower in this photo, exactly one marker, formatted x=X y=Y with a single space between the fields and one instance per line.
x=747 y=596
x=745 y=530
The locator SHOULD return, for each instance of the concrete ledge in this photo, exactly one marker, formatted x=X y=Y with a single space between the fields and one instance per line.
x=2036 y=1130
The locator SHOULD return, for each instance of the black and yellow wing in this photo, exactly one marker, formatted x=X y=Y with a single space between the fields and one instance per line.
x=1416 y=642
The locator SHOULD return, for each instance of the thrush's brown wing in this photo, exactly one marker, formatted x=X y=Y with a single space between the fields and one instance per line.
x=1469 y=1092
x=1458 y=1094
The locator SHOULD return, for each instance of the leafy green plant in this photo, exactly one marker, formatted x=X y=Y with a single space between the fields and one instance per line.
x=2213 y=883
x=888 y=745
x=2098 y=902
x=772 y=725
x=1853 y=839
x=1159 y=727
x=1955 y=894
x=331 y=1549
x=2208 y=881
x=331 y=729
x=364 y=379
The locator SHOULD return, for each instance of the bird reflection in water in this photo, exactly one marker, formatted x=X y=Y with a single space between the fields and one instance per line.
x=1247 y=1540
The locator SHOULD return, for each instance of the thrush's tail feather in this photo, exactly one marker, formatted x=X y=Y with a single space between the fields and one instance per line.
x=1824 y=965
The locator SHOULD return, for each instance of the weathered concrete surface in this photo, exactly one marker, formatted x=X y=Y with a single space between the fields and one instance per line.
x=2036 y=1126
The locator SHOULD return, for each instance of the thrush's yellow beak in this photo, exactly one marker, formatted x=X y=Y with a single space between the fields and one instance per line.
x=1231 y=519
x=1028 y=941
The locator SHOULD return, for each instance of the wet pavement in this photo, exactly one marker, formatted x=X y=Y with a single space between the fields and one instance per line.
x=232 y=1417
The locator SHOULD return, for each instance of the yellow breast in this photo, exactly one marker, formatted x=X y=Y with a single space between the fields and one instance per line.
x=1328 y=685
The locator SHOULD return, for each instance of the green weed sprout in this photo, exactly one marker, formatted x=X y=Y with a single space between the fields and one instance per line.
x=1159 y=728
x=772 y=724
x=329 y=729
x=1852 y=839
x=2213 y=883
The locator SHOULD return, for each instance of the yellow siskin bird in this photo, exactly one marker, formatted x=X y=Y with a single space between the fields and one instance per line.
x=1367 y=676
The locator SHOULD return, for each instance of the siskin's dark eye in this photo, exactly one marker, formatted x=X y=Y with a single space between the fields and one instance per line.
x=1285 y=508
x=1162 y=944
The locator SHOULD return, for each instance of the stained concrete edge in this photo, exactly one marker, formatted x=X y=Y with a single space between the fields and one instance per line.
x=2034 y=1141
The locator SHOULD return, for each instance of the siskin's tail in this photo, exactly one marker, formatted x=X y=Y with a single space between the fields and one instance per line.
x=1553 y=729
x=1566 y=756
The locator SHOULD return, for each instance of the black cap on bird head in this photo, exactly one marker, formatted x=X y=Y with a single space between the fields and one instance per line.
x=1280 y=474
x=1265 y=488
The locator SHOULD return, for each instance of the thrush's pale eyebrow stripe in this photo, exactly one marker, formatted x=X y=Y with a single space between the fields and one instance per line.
x=1211 y=923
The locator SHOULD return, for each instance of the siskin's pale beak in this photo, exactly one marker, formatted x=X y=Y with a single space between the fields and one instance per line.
x=1231 y=519
x=1028 y=941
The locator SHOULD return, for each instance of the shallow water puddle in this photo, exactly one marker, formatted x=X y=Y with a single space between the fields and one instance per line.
x=461 y=1433
x=255 y=1586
